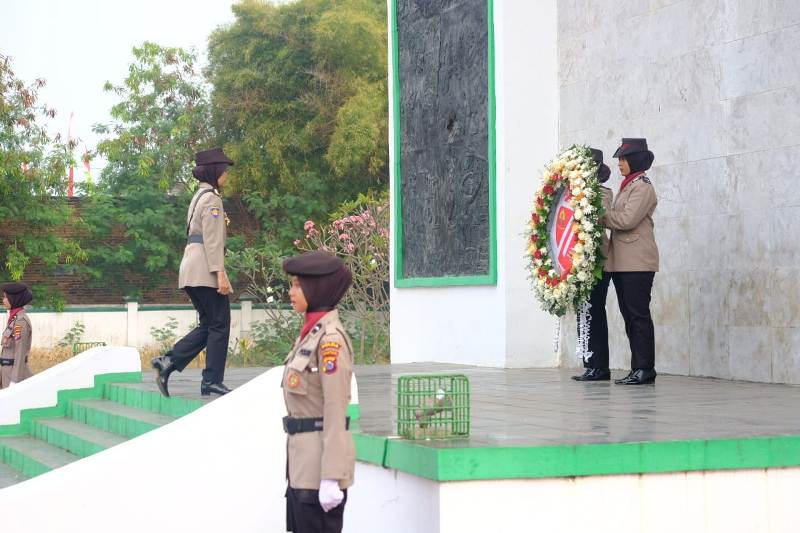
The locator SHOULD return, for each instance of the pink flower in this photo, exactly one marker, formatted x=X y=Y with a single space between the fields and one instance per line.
x=350 y=247
x=297 y=242
x=344 y=236
x=309 y=225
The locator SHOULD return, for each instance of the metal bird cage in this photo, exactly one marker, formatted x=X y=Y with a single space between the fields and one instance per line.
x=433 y=406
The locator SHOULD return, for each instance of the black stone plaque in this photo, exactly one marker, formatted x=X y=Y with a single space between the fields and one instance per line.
x=443 y=53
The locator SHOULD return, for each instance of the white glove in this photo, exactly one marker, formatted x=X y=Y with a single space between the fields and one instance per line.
x=330 y=495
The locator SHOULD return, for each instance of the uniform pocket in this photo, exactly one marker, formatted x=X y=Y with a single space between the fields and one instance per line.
x=296 y=382
x=629 y=237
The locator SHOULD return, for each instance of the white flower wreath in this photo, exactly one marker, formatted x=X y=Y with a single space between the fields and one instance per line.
x=564 y=233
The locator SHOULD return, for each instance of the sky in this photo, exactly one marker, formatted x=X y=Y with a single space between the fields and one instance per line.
x=78 y=45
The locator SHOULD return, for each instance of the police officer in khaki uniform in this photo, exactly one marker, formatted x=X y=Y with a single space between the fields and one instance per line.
x=16 y=340
x=316 y=389
x=202 y=275
x=633 y=256
x=597 y=365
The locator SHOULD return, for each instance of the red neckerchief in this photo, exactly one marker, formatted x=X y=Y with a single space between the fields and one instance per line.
x=311 y=318
x=12 y=313
x=629 y=178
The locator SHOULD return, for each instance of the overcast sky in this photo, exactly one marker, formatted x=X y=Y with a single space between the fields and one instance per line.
x=78 y=45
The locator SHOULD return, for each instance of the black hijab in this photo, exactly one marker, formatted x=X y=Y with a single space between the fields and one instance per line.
x=639 y=161
x=324 y=293
x=210 y=173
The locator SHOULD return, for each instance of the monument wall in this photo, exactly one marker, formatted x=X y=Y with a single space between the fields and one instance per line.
x=714 y=85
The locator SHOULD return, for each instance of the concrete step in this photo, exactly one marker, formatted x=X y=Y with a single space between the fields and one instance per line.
x=9 y=476
x=33 y=457
x=74 y=436
x=116 y=418
x=147 y=396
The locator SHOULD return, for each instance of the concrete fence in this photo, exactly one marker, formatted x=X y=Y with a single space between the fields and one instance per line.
x=131 y=324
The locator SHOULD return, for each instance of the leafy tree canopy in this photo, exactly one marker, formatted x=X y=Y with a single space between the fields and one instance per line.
x=299 y=102
x=33 y=185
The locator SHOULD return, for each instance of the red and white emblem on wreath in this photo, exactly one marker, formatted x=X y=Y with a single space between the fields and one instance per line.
x=564 y=237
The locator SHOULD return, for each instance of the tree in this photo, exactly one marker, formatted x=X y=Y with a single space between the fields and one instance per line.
x=136 y=212
x=32 y=190
x=299 y=101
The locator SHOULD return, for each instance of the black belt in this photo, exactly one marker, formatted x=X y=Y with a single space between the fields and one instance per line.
x=192 y=239
x=292 y=425
x=6 y=362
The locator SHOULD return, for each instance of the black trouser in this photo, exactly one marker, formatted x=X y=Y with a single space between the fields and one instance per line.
x=598 y=325
x=304 y=514
x=212 y=333
x=633 y=292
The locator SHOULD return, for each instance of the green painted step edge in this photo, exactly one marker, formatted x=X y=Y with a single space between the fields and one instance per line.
x=155 y=402
x=21 y=462
x=462 y=464
x=174 y=405
x=113 y=423
x=66 y=441
x=63 y=399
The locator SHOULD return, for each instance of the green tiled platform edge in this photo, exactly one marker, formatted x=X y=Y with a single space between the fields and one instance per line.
x=462 y=464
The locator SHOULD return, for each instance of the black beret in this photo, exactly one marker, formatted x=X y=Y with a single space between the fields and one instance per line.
x=14 y=288
x=597 y=155
x=631 y=145
x=212 y=156
x=312 y=264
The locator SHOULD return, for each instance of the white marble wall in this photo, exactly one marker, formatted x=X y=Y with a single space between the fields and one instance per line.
x=714 y=85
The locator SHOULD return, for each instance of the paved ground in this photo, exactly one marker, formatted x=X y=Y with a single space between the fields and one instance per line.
x=530 y=407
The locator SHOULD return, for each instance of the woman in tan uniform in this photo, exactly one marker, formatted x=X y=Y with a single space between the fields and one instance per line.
x=316 y=389
x=202 y=275
x=633 y=256
x=16 y=344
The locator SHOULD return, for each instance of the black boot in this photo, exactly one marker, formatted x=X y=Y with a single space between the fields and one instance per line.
x=594 y=374
x=639 y=376
x=208 y=387
x=164 y=367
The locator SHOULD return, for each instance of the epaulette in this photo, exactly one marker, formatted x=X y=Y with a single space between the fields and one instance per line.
x=644 y=179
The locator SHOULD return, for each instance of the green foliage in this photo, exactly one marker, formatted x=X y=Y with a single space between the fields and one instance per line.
x=74 y=334
x=299 y=101
x=32 y=173
x=165 y=336
x=137 y=211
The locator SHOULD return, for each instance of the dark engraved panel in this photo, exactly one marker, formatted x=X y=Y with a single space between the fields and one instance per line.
x=444 y=94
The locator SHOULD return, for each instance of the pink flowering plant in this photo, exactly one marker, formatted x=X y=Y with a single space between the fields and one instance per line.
x=359 y=234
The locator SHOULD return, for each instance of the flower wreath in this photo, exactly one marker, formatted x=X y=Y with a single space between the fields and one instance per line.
x=565 y=235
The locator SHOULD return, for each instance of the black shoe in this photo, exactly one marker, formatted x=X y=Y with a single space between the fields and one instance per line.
x=164 y=367
x=638 y=377
x=594 y=374
x=207 y=387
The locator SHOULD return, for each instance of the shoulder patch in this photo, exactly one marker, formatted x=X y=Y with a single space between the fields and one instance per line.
x=330 y=356
x=17 y=331
x=215 y=211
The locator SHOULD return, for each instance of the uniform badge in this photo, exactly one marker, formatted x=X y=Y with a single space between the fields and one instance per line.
x=646 y=179
x=227 y=220
x=330 y=356
x=17 y=332
x=293 y=381
x=305 y=351
x=215 y=212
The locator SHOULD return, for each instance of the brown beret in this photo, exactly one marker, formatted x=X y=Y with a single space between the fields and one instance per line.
x=14 y=288
x=316 y=263
x=212 y=156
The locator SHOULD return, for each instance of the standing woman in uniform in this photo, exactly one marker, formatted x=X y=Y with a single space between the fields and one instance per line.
x=316 y=388
x=203 y=277
x=16 y=344
x=633 y=256
x=597 y=365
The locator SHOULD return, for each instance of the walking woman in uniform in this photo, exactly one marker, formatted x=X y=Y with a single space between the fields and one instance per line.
x=16 y=336
x=203 y=277
x=316 y=389
x=633 y=256
x=597 y=365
